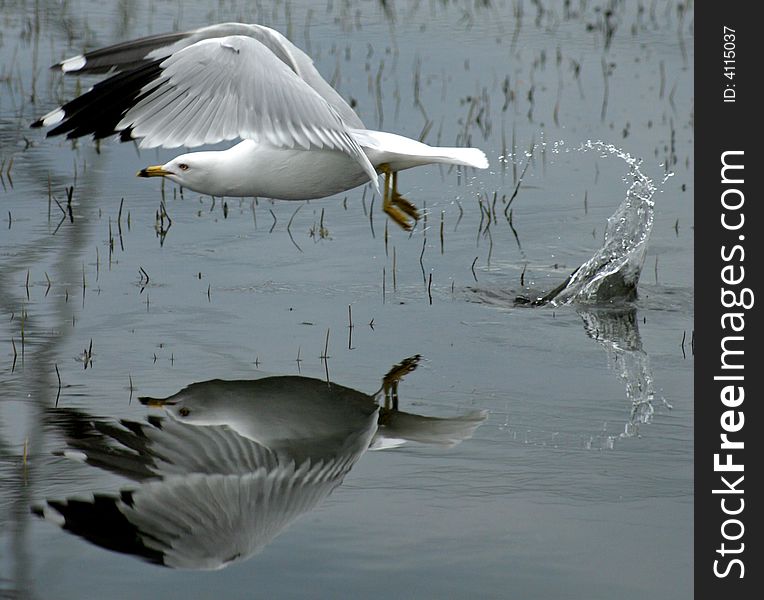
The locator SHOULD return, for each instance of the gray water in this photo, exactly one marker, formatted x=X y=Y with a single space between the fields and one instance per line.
x=578 y=483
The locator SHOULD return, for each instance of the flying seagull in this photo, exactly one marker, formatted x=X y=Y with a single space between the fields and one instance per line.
x=297 y=137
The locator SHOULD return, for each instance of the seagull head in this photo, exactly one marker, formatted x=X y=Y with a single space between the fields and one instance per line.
x=194 y=409
x=192 y=171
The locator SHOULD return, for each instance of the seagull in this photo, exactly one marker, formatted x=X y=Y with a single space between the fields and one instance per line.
x=203 y=497
x=231 y=463
x=298 y=139
x=289 y=411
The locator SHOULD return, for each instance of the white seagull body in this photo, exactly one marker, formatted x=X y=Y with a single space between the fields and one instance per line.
x=232 y=81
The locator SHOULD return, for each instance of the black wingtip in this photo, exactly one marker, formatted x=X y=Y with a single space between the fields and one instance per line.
x=98 y=111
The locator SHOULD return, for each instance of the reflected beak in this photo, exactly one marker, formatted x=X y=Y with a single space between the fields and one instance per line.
x=156 y=402
x=155 y=171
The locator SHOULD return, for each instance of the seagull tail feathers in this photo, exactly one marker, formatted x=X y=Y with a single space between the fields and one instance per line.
x=402 y=153
x=468 y=157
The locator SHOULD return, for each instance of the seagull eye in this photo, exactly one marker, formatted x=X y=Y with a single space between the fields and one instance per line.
x=183 y=167
x=184 y=412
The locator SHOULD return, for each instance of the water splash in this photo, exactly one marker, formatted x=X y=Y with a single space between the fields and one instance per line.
x=617 y=331
x=610 y=277
x=612 y=273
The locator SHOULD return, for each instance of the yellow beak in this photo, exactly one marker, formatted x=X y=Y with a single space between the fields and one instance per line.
x=155 y=171
x=156 y=402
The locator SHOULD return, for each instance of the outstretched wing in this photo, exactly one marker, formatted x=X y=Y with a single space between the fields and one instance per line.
x=214 y=90
x=127 y=56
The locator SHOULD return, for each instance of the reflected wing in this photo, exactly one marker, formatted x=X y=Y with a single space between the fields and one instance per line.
x=206 y=522
x=199 y=521
x=164 y=447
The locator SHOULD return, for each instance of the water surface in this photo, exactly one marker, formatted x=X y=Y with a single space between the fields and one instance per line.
x=578 y=484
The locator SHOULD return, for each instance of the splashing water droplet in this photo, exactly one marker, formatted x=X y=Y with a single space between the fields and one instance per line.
x=612 y=273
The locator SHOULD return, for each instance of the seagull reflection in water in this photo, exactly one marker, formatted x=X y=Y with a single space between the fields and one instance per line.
x=232 y=463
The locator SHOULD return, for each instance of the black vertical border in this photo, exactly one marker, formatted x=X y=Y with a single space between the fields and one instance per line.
x=722 y=126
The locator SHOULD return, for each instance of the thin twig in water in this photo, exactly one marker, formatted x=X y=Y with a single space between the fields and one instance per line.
x=69 y=196
x=461 y=213
x=490 y=247
x=442 y=217
x=606 y=72
x=23 y=338
x=274 y=220
x=395 y=286
x=119 y=224
x=289 y=225
x=421 y=263
x=350 y=327
x=371 y=216
x=514 y=231
x=656 y=269
x=8 y=172
x=143 y=275
x=325 y=355
x=482 y=219
x=58 y=393
x=520 y=180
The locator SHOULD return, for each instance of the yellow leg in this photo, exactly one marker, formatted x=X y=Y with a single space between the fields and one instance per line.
x=401 y=202
x=393 y=377
x=400 y=210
